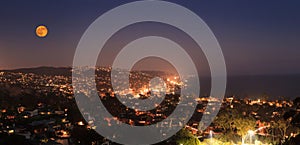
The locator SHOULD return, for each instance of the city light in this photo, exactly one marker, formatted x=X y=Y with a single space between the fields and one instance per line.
x=272 y=110
x=80 y=123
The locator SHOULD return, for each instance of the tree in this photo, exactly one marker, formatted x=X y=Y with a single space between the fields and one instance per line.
x=296 y=120
x=225 y=119
x=185 y=137
x=293 y=141
x=234 y=125
x=279 y=129
x=229 y=137
x=214 y=142
x=297 y=102
x=244 y=124
x=281 y=126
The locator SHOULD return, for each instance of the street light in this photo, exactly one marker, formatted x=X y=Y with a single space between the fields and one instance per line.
x=251 y=133
x=211 y=136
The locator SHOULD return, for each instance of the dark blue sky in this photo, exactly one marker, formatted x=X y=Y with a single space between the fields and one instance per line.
x=257 y=37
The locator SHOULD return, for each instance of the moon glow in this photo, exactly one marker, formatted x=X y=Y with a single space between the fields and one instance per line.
x=41 y=31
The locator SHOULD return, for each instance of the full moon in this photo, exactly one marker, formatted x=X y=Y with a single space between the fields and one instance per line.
x=41 y=31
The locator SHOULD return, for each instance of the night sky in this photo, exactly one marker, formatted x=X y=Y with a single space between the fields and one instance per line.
x=257 y=37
